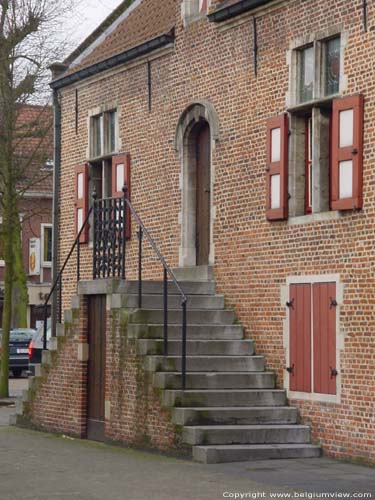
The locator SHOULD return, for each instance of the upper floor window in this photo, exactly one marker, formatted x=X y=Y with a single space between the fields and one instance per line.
x=319 y=143
x=192 y=10
x=318 y=70
x=103 y=131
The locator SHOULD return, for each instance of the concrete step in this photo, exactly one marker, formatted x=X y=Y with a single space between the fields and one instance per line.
x=115 y=286
x=235 y=416
x=198 y=347
x=224 y=397
x=216 y=380
x=202 y=317
x=60 y=330
x=194 y=273
x=215 y=454
x=245 y=434
x=206 y=363
x=193 y=331
x=156 y=301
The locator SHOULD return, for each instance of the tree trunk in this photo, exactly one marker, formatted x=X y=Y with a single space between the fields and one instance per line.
x=7 y=309
x=19 y=296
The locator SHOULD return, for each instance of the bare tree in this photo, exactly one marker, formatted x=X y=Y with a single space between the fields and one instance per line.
x=29 y=43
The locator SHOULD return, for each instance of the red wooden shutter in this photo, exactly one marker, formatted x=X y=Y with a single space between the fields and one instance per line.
x=81 y=180
x=121 y=174
x=300 y=337
x=347 y=153
x=324 y=320
x=277 y=168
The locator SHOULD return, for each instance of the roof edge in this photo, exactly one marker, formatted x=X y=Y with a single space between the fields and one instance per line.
x=113 y=61
x=224 y=13
x=100 y=30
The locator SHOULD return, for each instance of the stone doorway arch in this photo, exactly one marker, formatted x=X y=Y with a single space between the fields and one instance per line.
x=192 y=125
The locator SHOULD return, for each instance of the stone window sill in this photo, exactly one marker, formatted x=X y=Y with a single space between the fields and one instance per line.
x=312 y=396
x=315 y=103
x=318 y=217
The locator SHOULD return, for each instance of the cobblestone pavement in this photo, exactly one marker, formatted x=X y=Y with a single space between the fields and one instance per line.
x=40 y=466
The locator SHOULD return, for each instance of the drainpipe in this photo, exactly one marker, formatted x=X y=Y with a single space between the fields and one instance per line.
x=56 y=69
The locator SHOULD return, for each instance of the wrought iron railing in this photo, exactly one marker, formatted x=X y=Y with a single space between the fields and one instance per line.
x=109 y=238
x=110 y=230
x=111 y=220
x=57 y=284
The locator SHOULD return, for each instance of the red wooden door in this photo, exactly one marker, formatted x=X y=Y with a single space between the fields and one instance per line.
x=300 y=337
x=203 y=195
x=324 y=321
x=96 y=367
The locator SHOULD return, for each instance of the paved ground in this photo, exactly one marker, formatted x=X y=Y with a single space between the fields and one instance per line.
x=39 y=466
x=16 y=386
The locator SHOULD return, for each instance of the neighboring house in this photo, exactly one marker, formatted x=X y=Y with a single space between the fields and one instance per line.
x=244 y=130
x=35 y=152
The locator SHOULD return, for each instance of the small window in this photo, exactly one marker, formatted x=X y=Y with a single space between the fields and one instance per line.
x=46 y=245
x=103 y=134
x=318 y=81
x=309 y=165
x=306 y=76
x=97 y=144
x=331 y=65
x=193 y=10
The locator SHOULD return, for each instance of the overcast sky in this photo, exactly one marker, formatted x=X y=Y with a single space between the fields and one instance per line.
x=87 y=15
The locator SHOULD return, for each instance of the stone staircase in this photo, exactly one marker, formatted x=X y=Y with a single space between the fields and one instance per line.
x=231 y=410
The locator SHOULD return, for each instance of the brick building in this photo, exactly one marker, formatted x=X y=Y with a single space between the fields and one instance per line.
x=35 y=153
x=244 y=131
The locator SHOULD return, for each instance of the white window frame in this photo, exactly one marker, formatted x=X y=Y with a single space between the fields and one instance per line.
x=103 y=113
x=317 y=40
x=320 y=164
x=44 y=263
x=340 y=337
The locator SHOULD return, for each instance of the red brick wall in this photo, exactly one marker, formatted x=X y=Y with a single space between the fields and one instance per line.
x=136 y=415
x=252 y=256
x=58 y=403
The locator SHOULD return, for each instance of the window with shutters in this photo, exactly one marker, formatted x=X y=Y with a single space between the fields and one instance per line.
x=312 y=364
x=324 y=171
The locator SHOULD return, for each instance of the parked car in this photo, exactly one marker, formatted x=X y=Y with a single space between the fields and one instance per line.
x=36 y=346
x=19 y=341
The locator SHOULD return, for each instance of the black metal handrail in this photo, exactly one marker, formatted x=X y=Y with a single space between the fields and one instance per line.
x=114 y=206
x=58 y=280
x=112 y=250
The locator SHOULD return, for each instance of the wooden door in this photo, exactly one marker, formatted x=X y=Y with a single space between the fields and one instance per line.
x=96 y=367
x=324 y=304
x=203 y=195
x=300 y=337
